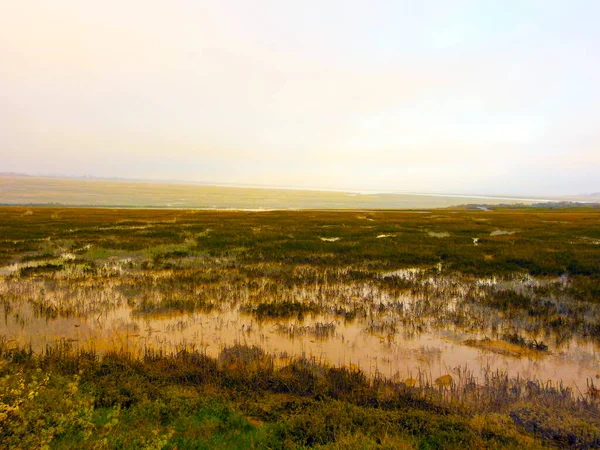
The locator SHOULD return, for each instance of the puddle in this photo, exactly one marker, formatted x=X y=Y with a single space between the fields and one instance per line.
x=589 y=240
x=502 y=233
x=441 y=234
x=432 y=354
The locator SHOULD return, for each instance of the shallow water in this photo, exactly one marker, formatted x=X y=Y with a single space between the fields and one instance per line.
x=400 y=342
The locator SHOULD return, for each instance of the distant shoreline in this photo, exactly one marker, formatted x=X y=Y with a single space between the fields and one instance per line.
x=349 y=191
x=31 y=191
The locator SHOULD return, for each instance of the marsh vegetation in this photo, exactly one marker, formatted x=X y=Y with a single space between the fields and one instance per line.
x=180 y=329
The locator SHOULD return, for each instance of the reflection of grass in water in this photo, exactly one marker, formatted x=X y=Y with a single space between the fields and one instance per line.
x=271 y=291
x=507 y=348
x=387 y=327
x=170 y=304
x=318 y=330
x=282 y=309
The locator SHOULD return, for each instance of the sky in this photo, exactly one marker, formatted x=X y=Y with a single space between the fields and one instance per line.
x=448 y=96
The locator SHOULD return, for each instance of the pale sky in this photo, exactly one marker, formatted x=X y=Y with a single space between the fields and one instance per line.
x=488 y=97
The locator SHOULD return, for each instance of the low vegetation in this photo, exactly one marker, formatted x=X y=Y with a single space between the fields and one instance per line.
x=161 y=328
x=66 y=399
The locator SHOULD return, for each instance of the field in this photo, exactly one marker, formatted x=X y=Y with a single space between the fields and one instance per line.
x=291 y=329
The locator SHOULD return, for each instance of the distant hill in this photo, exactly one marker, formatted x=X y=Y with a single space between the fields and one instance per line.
x=13 y=174
x=33 y=190
x=544 y=205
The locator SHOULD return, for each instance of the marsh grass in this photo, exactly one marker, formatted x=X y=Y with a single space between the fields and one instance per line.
x=533 y=292
x=242 y=398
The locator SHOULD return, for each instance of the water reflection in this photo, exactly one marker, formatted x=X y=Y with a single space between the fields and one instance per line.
x=396 y=333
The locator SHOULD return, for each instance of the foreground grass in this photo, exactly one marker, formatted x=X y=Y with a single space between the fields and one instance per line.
x=64 y=399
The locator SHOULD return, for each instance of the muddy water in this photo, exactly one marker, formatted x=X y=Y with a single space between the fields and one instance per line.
x=398 y=355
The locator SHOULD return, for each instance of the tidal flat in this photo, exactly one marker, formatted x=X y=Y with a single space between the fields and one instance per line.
x=202 y=329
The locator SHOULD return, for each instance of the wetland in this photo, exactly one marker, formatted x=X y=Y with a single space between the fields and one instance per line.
x=452 y=327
